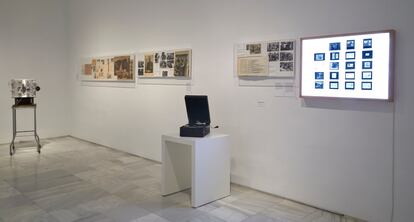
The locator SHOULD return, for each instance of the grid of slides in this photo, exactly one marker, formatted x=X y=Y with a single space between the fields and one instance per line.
x=349 y=64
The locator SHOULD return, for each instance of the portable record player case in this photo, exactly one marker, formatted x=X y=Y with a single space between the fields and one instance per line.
x=198 y=117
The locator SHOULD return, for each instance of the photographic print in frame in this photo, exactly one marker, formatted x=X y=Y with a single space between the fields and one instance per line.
x=254 y=48
x=182 y=63
x=273 y=46
x=140 y=64
x=140 y=72
x=171 y=64
x=123 y=67
x=269 y=59
x=149 y=65
x=287 y=46
x=108 y=68
x=87 y=69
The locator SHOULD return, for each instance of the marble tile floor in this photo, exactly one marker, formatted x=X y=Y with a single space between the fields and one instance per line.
x=74 y=180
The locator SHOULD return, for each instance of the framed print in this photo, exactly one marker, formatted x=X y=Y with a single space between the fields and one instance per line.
x=109 y=68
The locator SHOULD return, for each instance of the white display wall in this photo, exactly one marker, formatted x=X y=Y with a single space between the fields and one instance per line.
x=33 y=45
x=334 y=154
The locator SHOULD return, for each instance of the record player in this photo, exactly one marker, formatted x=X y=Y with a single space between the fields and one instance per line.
x=198 y=117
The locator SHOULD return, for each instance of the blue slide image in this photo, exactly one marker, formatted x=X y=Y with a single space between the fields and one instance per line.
x=366 y=64
x=366 y=75
x=334 y=75
x=350 y=44
x=318 y=75
x=350 y=85
x=318 y=84
x=334 y=55
x=319 y=57
x=334 y=65
x=334 y=46
x=334 y=85
x=366 y=85
x=350 y=75
x=350 y=65
x=367 y=54
x=367 y=43
x=350 y=55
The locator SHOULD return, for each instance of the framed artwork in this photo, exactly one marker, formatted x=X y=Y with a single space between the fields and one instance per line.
x=109 y=68
x=267 y=59
x=166 y=64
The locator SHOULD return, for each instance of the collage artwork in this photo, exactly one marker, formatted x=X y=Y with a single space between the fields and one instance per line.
x=110 y=68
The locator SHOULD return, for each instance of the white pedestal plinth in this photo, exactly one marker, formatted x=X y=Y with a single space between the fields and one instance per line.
x=200 y=163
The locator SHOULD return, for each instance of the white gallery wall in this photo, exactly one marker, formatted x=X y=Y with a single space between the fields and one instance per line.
x=334 y=154
x=33 y=45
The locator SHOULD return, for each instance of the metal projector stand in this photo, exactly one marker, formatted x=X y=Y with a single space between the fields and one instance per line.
x=15 y=131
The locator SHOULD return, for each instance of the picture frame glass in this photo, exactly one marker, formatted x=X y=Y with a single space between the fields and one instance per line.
x=364 y=58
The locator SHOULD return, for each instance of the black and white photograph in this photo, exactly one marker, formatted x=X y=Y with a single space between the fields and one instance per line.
x=350 y=75
x=182 y=64
x=318 y=75
x=167 y=63
x=280 y=61
x=350 y=44
x=334 y=55
x=170 y=56
x=319 y=57
x=286 y=66
x=286 y=46
x=149 y=64
x=350 y=55
x=140 y=64
x=350 y=65
x=273 y=46
x=156 y=57
x=349 y=85
x=318 y=84
x=366 y=85
x=366 y=75
x=273 y=56
x=366 y=64
x=334 y=85
x=334 y=65
x=170 y=64
x=254 y=48
x=334 y=75
x=334 y=46
x=367 y=54
x=163 y=64
x=140 y=72
x=286 y=56
x=367 y=43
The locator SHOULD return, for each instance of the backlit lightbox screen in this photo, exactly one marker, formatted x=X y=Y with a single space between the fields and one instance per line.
x=348 y=66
